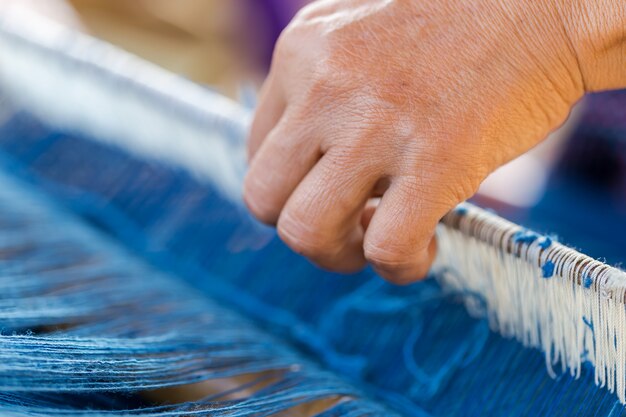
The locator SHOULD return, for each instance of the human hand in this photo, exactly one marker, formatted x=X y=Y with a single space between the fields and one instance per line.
x=415 y=102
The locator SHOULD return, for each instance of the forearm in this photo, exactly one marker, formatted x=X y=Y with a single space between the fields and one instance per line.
x=597 y=30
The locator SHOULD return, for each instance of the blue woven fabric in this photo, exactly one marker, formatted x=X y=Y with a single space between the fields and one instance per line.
x=413 y=348
x=87 y=326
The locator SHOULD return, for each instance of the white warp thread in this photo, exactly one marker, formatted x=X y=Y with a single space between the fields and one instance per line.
x=575 y=315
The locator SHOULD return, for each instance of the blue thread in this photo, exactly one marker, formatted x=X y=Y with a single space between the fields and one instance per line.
x=547 y=269
x=461 y=210
x=587 y=282
x=525 y=236
x=181 y=337
x=545 y=242
x=289 y=276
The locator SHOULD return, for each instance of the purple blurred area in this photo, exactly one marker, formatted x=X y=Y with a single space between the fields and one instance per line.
x=268 y=18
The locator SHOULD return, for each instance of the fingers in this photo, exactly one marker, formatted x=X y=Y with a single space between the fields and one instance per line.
x=399 y=242
x=269 y=111
x=281 y=162
x=321 y=210
x=322 y=217
x=319 y=205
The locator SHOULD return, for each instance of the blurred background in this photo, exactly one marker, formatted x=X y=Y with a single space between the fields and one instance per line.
x=572 y=185
x=215 y=42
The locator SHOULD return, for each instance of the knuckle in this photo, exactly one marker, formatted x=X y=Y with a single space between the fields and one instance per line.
x=284 y=41
x=307 y=12
x=287 y=44
x=296 y=37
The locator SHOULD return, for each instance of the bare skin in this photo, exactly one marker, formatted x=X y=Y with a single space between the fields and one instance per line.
x=415 y=102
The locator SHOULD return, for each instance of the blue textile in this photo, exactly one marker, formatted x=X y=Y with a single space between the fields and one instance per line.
x=414 y=349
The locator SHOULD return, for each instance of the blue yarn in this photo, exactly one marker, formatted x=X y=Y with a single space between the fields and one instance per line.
x=461 y=210
x=189 y=229
x=525 y=236
x=121 y=335
x=547 y=269
x=545 y=242
x=587 y=282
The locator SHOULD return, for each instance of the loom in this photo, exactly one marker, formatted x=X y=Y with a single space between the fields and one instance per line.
x=134 y=283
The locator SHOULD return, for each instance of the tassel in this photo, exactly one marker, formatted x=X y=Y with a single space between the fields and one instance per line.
x=542 y=293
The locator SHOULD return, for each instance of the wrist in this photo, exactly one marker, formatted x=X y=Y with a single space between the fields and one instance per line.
x=597 y=32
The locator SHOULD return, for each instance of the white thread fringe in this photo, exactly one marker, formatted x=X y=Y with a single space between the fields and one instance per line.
x=542 y=293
